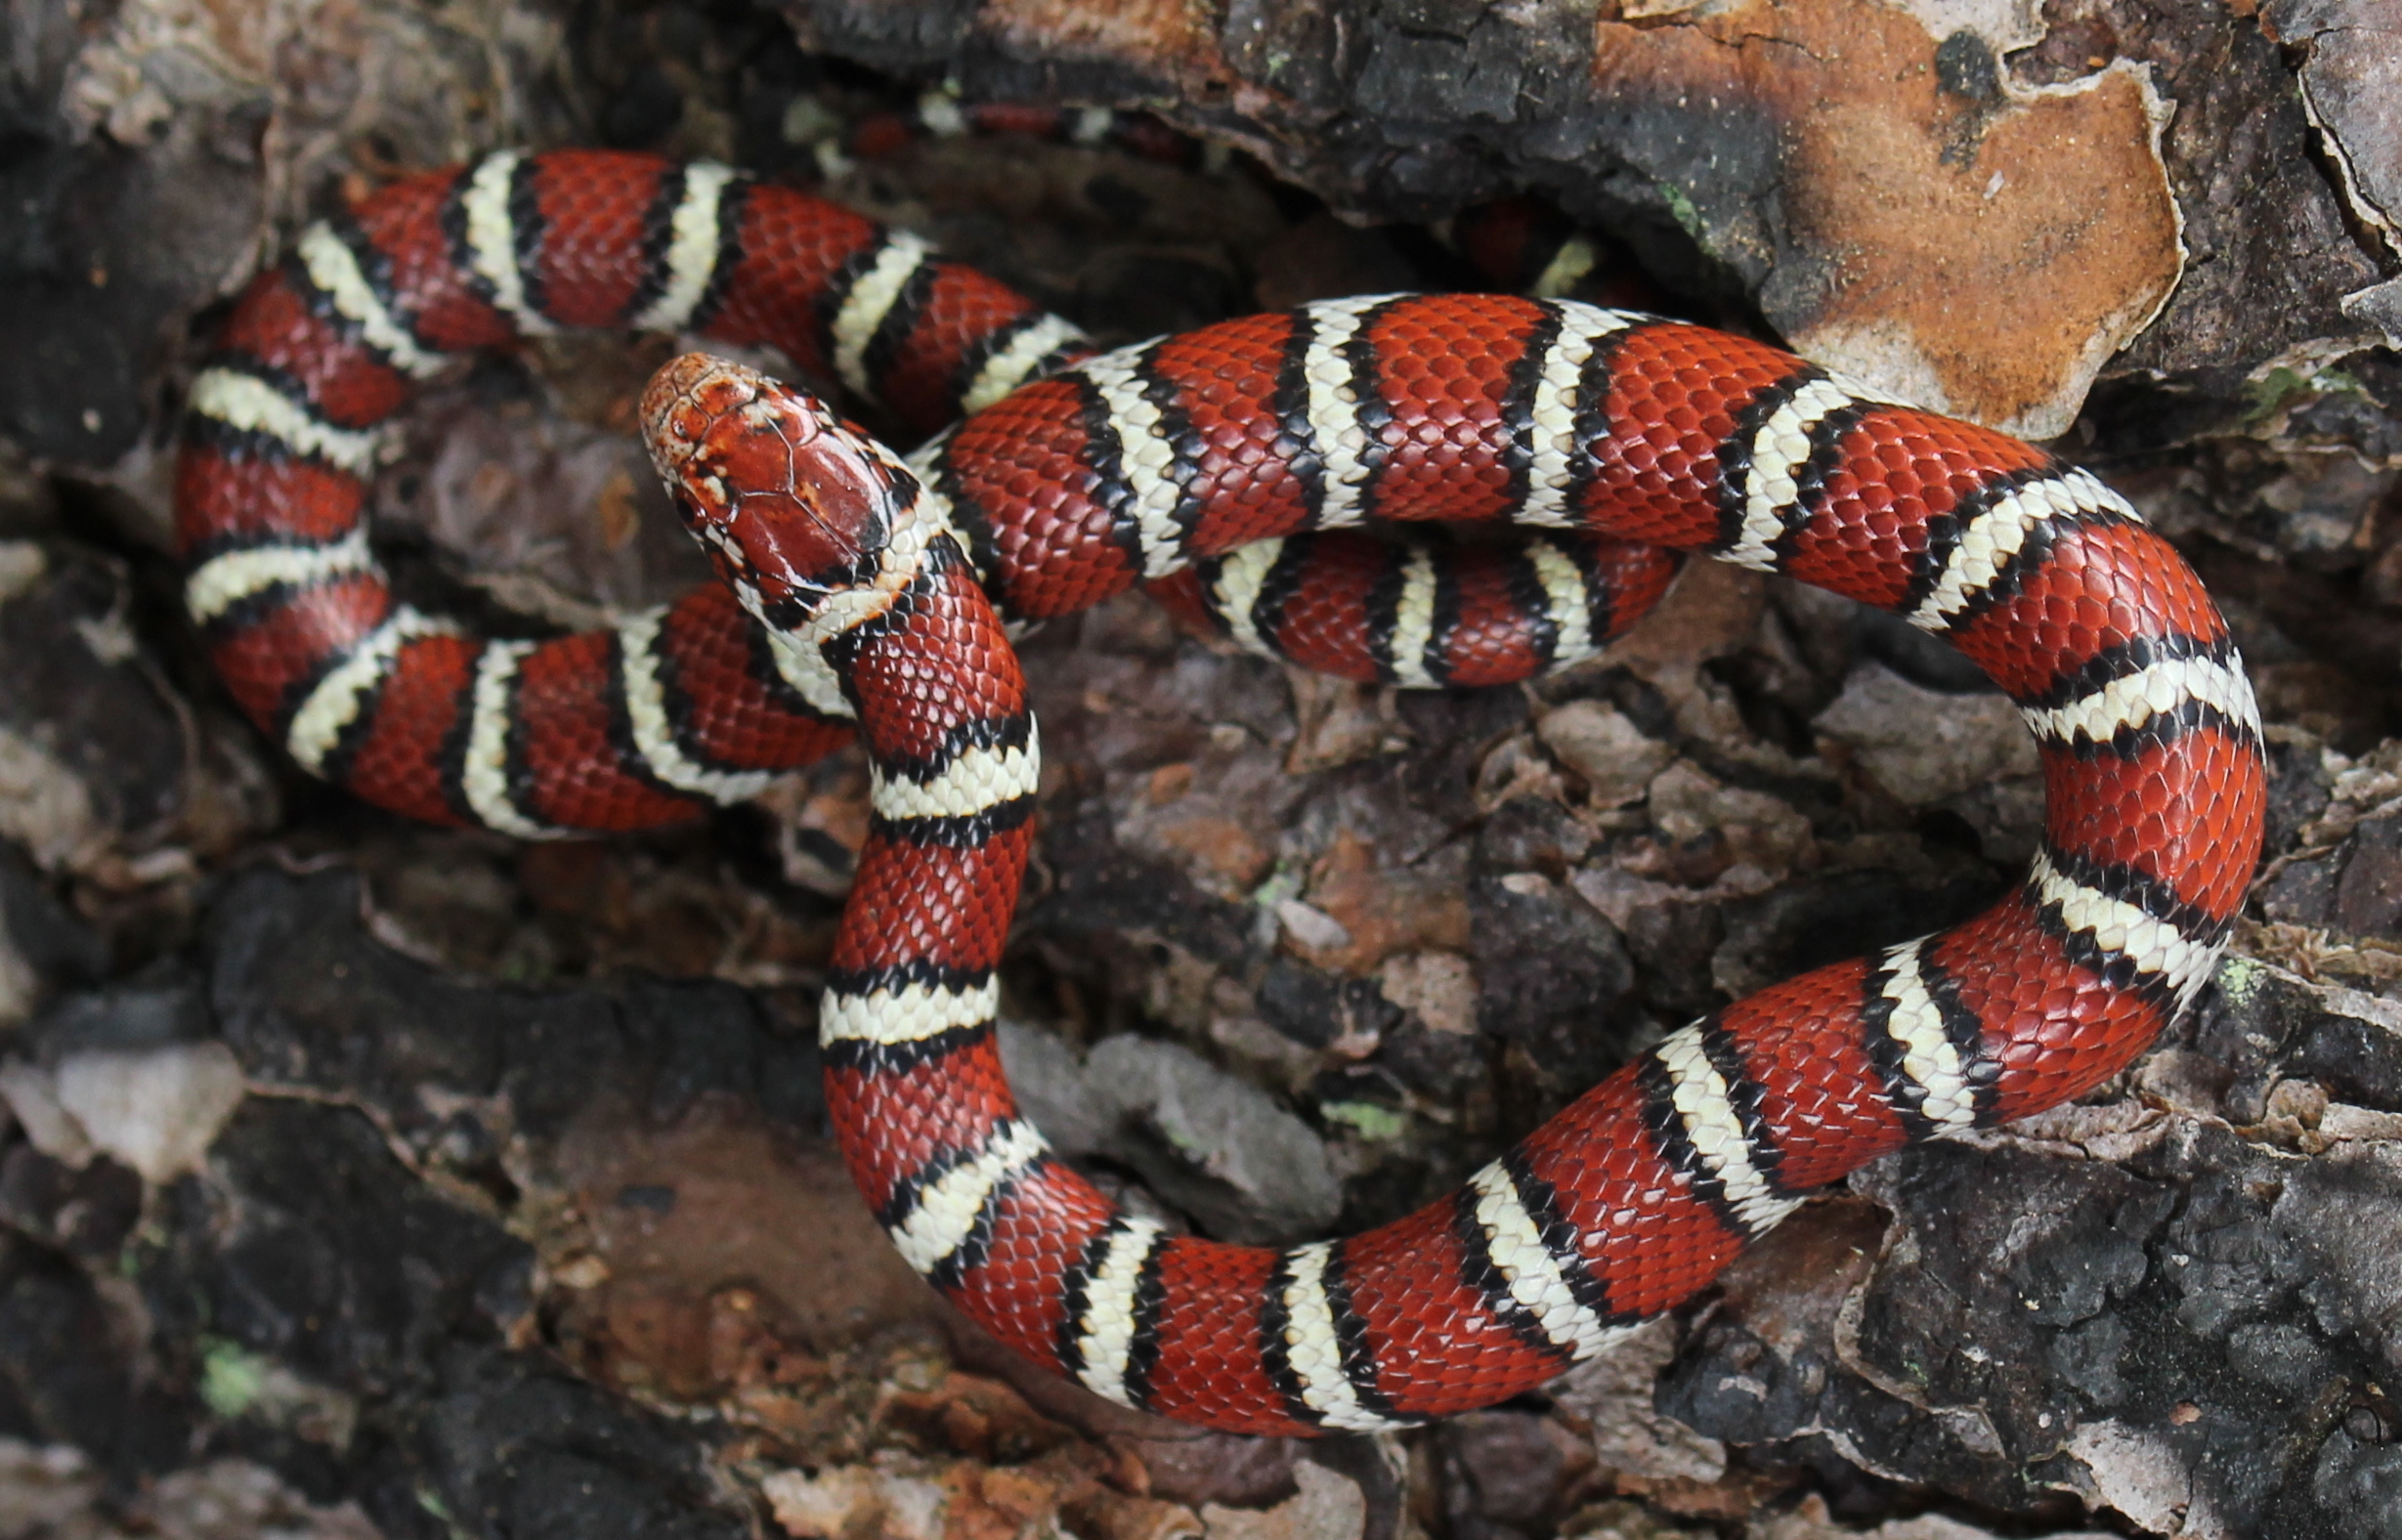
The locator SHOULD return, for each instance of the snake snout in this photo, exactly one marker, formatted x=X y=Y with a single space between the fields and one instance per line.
x=689 y=394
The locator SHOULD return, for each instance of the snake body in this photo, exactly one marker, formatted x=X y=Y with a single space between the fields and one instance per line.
x=865 y=591
x=672 y=709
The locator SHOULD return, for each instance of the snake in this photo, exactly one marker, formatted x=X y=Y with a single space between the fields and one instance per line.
x=1236 y=468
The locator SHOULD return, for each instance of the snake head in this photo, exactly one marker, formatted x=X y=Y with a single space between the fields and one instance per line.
x=789 y=502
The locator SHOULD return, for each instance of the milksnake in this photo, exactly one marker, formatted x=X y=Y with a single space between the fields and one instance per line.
x=868 y=578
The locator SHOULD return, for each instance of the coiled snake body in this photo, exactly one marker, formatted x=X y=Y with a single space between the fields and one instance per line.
x=1227 y=455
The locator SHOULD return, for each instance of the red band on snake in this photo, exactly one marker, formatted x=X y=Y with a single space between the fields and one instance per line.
x=1071 y=488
